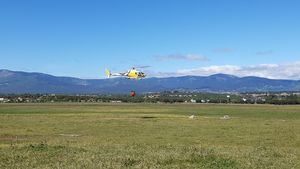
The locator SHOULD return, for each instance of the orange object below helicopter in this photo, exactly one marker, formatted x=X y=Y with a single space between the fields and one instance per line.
x=132 y=93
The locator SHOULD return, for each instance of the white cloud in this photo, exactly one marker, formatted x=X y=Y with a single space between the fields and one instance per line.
x=273 y=71
x=188 y=57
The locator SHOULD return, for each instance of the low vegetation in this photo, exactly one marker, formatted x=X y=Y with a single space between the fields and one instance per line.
x=279 y=98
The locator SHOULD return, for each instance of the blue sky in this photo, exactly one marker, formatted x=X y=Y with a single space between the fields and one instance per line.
x=174 y=37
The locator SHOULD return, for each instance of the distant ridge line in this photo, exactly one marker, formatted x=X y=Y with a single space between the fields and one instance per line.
x=18 y=82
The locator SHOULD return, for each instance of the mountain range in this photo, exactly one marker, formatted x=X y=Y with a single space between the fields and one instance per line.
x=17 y=82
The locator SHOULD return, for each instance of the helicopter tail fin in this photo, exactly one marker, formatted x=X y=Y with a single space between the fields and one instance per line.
x=108 y=73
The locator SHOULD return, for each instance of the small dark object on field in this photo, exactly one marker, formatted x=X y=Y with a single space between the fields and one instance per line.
x=148 y=117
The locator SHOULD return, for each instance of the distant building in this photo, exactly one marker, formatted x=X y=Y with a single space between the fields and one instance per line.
x=116 y=101
x=193 y=101
x=154 y=96
x=284 y=94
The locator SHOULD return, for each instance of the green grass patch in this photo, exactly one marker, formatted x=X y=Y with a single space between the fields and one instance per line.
x=149 y=136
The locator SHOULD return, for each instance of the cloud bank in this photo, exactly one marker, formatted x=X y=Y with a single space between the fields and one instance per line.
x=272 y=71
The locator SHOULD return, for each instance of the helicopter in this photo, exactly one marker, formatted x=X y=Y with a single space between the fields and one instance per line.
x=130 y=74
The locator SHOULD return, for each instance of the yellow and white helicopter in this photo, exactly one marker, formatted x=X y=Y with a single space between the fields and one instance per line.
x=130 y=74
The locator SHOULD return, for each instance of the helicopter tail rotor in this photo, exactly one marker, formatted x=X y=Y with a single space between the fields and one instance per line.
x=108 y=73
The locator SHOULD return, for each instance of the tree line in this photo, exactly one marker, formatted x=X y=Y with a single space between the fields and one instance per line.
x=162 y=97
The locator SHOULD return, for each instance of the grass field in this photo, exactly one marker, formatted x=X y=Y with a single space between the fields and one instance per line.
x=149 y=136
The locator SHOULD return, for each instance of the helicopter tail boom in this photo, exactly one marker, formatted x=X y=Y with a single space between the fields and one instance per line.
x=109 y=74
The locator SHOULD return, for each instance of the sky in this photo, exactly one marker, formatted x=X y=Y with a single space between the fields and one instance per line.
x=173 y=37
